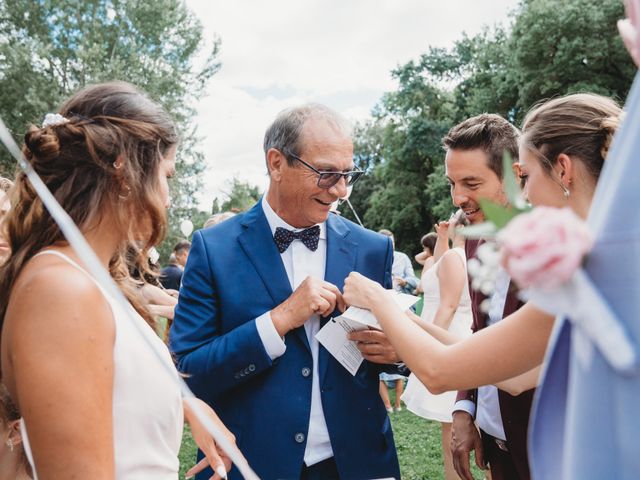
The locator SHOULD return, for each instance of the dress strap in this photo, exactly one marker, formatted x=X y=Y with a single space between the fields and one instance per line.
x=461 y=253
x=68 y=260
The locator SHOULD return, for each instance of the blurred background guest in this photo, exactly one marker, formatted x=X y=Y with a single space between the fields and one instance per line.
x=447 y=304
x=425 y=257
x=171 y=275
x=404 y=278
x=216 y=218
x=5 y=185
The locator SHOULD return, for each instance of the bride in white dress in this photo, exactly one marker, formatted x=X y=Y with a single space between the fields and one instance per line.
x=447 y=304
x=96 y=401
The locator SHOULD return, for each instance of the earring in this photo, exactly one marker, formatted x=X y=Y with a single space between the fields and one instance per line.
x=10 y=444
x=125 y=191
x=117 y=165
x=565 y=191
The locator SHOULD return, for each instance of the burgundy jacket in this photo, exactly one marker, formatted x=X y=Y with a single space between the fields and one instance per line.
x=514 y=410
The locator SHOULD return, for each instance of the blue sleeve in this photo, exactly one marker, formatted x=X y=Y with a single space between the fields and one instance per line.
x=213 y=361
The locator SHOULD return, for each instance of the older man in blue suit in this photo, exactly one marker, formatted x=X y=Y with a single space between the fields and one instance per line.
x=256 y=290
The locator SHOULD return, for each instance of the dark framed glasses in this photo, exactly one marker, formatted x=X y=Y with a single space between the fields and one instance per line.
x=327 y=179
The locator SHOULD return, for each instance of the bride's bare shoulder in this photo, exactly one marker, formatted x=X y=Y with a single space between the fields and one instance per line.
x=51 y=290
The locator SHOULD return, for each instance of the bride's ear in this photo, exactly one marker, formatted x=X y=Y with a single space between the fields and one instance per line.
x=566 y=169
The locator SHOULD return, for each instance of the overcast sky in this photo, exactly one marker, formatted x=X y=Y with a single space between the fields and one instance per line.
x=280 y=53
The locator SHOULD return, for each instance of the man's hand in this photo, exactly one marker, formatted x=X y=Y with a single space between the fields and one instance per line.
x=465 y=438
x=313 y=296
x=442 y=229
x=400 y=281
x=374 y=346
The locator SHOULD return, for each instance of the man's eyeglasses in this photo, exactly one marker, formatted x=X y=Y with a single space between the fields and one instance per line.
x=327 y=179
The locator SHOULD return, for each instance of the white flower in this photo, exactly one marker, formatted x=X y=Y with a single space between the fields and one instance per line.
x=489 y=254
x=483 y=269
x=485 y=305
x=473 y=267
x=53 y=119
x=154 y=256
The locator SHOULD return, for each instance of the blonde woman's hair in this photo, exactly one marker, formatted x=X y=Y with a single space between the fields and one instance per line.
x=580 y=125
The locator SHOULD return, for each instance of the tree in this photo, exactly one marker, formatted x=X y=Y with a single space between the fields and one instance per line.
x=564 y=46
x=550 y=48
x=50 y=48
x=399 y=148
x=238 y=196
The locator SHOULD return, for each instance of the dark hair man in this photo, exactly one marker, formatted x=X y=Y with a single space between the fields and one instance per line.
x=171 y=275
x=474 y=163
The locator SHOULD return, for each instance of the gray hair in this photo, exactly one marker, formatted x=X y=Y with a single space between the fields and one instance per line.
x=217 y=218
x=284 y=133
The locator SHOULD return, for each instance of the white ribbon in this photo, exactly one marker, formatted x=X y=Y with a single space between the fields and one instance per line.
x=580 y=302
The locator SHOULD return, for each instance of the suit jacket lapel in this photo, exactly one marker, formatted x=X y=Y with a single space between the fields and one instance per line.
x=257 y=242
x=341 y=261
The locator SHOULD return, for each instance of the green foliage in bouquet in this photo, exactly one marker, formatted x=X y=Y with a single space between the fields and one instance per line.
x=498 y=216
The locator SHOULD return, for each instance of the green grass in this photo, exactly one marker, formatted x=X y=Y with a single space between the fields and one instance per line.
x=417 y=442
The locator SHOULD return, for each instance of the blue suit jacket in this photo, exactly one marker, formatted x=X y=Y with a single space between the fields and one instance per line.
x=233 y=275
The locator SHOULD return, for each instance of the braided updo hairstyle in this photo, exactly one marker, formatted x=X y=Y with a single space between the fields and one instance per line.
x=103 y=155
x=580 y=125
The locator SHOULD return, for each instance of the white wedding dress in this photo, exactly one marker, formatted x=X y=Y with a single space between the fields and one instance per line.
x=417 y=397
x=147 y=403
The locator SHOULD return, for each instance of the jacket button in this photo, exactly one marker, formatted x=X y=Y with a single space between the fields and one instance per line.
x=252 y=368
x=306 y=371
x=299 y=437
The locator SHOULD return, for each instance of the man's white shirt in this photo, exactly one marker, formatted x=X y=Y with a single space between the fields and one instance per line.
x=300 y=263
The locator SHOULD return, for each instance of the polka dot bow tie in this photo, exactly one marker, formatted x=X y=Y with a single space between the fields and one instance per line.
x=309 y=236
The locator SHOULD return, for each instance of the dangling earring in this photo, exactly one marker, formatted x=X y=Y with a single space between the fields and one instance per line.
x=10 y=444
x=565 y=190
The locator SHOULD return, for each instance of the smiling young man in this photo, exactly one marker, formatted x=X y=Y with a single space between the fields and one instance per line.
x=256 y=290
x=474 y=169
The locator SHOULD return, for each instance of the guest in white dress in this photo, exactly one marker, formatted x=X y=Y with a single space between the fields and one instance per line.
x=426 y=256
x=96 y=401
x=447 y=304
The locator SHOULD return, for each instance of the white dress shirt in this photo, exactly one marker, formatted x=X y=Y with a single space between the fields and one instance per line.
x=300 y=263
x=488 y=415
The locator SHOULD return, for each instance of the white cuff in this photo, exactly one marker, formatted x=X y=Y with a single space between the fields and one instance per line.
x=272 y=342
x=466 y=406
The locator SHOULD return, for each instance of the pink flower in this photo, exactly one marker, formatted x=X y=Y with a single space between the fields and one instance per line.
x=544 y=248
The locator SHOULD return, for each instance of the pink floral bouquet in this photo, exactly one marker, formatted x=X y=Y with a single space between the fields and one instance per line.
x=543 y=250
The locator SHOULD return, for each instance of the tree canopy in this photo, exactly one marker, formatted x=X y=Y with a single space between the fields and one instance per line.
x=50 y=48
x=549 y=48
